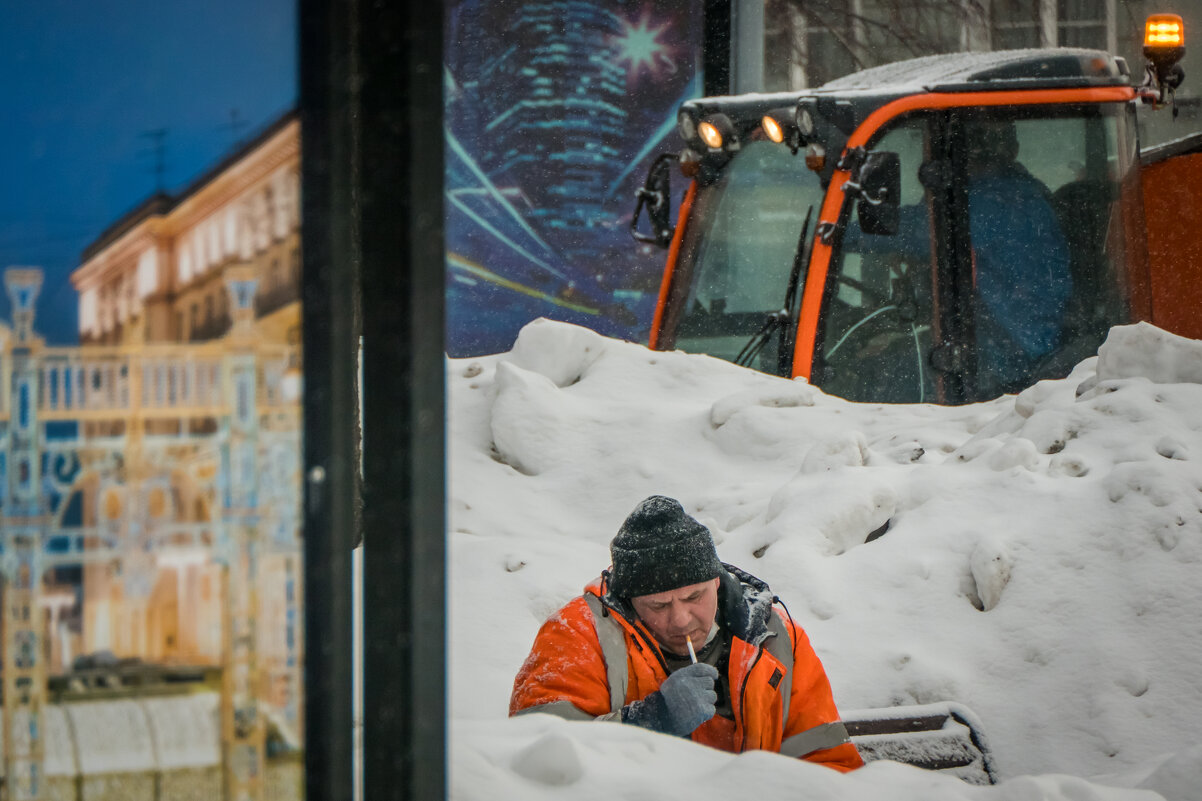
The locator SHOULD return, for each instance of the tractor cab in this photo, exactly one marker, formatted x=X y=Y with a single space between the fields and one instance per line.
x=939 y=230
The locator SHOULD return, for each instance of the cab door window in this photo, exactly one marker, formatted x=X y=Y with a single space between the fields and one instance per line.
x=875 y=333
x=1046 y=240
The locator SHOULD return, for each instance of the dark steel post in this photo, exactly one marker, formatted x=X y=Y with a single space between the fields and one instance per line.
x=401 y=234
x=331 y=431
x=716 y=47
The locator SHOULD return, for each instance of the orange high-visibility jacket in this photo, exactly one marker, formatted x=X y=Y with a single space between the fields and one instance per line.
x=593 y=657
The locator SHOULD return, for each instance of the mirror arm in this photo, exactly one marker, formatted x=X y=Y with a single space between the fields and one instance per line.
x=851 y=161
x=642 y=196
x=862 y=194
x=826 y=231
x=652 y=197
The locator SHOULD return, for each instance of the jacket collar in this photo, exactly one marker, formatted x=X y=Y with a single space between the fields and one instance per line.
x=744 y=604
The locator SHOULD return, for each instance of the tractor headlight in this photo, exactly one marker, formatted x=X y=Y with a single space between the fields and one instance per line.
x=717 y=132
x=780 y=125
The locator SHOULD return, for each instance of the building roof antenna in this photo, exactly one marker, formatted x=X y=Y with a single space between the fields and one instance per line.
x=236 y=124
x=158 y=137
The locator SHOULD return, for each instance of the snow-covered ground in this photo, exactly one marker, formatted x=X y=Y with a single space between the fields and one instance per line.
x=1042 y=566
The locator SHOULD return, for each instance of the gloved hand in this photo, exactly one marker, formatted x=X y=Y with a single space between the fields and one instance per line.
x=683 y=702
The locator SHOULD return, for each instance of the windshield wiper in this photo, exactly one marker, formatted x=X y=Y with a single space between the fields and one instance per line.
x=782 y=319
x=774 y=320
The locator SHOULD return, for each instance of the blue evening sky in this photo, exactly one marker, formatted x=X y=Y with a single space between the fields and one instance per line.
x=81 y=83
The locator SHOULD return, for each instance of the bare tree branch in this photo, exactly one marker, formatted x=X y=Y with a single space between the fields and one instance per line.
x=896 y=28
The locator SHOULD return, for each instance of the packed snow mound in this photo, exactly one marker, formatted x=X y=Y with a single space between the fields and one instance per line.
x=1034 y=558
x=539 y=757
x=1144 y=351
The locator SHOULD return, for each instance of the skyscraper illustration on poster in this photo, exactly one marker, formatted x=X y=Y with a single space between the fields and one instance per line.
x=553 y=110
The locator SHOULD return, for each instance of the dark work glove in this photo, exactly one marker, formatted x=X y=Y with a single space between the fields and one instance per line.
x=683 y=702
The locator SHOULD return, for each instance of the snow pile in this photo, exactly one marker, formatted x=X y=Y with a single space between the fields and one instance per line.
x=1034 y=558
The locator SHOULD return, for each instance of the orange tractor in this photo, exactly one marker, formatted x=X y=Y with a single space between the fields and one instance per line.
x=938 y=230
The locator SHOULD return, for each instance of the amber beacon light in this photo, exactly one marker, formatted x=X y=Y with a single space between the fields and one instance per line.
x=1164 y=47
x=1164 y=31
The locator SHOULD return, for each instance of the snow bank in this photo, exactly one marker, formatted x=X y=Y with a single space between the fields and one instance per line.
x=1034 y=558
x=539 y=757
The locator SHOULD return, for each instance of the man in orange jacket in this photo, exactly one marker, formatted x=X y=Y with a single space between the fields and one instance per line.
x=673 y=640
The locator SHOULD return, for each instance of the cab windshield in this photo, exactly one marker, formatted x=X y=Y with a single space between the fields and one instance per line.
x=739 y=253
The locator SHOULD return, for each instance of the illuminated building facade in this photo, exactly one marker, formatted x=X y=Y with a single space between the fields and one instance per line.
x=164 y=262
x=150 y=477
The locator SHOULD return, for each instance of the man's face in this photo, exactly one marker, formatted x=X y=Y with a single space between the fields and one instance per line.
x=675 y=615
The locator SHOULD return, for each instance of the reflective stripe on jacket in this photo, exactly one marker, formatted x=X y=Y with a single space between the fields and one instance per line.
x=588 y=661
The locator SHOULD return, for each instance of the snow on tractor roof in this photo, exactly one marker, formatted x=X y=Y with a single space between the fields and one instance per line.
x=984 y=71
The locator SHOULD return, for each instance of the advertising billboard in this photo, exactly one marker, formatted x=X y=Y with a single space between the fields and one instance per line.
x=553 y=113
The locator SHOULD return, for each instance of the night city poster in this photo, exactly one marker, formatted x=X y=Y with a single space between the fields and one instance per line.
x=554 y=112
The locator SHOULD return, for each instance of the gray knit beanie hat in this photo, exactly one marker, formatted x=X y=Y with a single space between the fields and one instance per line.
x=660 y=548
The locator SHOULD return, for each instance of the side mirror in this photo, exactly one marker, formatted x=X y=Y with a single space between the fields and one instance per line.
x=656 y=197
x=880 y=194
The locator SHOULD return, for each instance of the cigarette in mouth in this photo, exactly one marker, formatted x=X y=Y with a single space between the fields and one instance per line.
x=692 y=654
